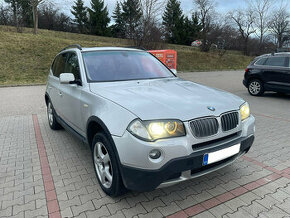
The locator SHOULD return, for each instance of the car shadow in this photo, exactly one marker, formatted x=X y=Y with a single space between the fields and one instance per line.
x=277 y=95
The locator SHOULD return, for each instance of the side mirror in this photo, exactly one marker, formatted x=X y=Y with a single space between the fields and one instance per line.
x=174 y=71
x=66 y=78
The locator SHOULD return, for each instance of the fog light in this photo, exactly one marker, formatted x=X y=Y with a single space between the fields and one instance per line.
x=155 y=154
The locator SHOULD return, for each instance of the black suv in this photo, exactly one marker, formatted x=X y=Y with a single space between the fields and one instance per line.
x=270 y=72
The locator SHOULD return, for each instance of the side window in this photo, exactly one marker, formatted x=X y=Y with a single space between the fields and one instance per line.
x=276 y=61
x=72 y=65
x=261 y=61
x=58 y=64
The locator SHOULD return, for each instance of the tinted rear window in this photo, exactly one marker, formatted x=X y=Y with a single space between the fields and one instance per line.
x=276 y=61
x=105 y=66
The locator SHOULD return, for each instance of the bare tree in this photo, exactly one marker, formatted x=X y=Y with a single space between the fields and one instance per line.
x=152 y=10
x=280 y=25
x=34 y=5
x=205 y=10
x=262 y=9
x=244 y=20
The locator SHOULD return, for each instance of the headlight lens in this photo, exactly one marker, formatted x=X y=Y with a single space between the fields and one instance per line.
x=153 y=130
x=245 y=111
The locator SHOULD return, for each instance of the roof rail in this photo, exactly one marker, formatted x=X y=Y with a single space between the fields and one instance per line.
x=73 y=46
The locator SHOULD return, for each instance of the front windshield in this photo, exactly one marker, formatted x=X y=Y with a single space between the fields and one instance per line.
x=105 y=66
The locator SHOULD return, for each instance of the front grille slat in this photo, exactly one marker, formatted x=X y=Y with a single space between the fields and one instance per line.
x=230 y=121
x=204 y=127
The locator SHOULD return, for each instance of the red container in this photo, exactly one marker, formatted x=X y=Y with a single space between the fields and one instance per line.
x=168 y=57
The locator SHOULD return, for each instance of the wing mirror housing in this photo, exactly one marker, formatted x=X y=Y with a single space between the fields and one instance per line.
x=66 y=78
x=69 y=78
x=174 y=71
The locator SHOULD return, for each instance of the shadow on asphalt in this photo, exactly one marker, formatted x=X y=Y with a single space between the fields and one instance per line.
x=277 y=96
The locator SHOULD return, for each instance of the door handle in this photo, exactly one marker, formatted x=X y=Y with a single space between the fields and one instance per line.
x=60 y=94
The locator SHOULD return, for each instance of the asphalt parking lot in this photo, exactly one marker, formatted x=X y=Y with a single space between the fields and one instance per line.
x=44 y=173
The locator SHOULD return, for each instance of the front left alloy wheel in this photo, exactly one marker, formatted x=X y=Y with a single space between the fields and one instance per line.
x=106 y=166
x=103 y=165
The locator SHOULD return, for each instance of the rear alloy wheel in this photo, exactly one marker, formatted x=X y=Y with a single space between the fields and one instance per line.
x=106 y=166
x=256 y=88
x=53 y=124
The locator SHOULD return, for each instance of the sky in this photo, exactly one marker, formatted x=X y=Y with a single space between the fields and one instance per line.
x=222 y=6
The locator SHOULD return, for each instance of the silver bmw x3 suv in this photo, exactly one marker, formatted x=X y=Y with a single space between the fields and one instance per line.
x=146 y=127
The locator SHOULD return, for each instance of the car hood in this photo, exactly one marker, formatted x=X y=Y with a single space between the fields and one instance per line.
x=172 y=98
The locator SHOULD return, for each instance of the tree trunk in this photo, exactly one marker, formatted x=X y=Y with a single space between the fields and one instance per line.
x=246 y=46
x=280 y=41
x=35 y=19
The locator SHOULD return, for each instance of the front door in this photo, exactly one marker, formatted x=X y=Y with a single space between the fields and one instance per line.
x=70 y=95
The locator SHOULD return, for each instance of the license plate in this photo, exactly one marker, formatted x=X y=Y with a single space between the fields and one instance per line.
x=221 y=154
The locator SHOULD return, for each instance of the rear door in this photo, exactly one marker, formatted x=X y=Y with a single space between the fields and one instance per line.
x=53 y=86
x=275 y=73
x=70 y=99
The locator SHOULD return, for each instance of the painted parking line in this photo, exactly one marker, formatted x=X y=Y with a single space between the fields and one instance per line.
x=271 y=117
x=222 y=198
x=284 y=173
x=50 y=193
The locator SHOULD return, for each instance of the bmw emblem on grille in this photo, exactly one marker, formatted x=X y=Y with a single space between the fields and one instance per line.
x=211 y=108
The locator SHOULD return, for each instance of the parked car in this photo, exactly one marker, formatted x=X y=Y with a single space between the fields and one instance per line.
x=196 y=43
x=146 y=127
x=270 y=72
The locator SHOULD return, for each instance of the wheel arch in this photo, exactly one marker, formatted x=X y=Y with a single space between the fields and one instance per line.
x=46 y=98
x=256 y=77
x=95 y=125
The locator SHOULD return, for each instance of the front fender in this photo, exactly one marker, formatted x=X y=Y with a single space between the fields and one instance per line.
x=109 y=114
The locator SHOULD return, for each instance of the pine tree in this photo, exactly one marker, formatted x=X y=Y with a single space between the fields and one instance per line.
x=173 y=20
x=191 y=28
x=80 y=13
x=118 y=27
x=132 y=14
x=99 y=18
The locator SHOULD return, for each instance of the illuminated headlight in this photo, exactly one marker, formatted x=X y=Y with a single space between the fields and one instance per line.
x=154 y=130
x=245 y=111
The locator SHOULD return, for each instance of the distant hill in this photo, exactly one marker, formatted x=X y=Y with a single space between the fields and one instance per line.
x=25 y=58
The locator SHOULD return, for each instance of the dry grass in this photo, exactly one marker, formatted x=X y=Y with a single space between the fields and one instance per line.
x=25 y=58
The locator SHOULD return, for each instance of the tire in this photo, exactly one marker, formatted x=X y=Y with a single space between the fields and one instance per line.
x=256 y=87
x=53 y=124
x=106 y=166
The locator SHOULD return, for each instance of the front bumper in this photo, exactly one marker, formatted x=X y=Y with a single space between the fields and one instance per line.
x=179 y=155
x=179 y=169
